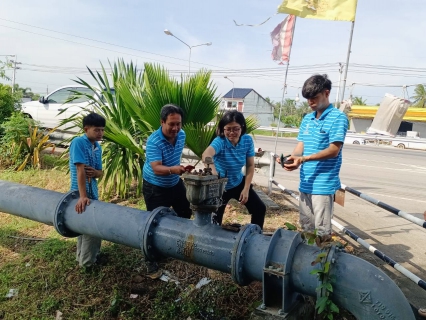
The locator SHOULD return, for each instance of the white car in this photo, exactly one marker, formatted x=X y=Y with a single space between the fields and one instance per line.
x=47 y=109
x=354 y=140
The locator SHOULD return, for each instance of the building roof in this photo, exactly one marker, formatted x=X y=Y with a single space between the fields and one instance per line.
x=239 y=93
x=369 y=112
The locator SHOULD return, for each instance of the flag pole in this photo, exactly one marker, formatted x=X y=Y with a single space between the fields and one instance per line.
x=285 y=86
x=347 y=62
x=272 y=172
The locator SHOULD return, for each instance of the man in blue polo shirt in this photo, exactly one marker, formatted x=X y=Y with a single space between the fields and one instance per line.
x=319 y=156
x=85 y=163
x=162 y=185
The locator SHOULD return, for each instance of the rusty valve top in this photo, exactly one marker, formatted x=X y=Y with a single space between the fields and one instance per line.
x=203 y=172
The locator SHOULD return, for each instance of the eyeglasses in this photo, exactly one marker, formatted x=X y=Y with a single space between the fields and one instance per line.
x=234 y=129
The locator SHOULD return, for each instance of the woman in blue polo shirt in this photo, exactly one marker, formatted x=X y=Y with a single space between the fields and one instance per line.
x=231 y=150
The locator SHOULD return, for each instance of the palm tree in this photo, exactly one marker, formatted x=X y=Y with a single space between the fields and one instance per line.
x=133 y=113
x=419 y=96
x=359 y=101
x=123 y=152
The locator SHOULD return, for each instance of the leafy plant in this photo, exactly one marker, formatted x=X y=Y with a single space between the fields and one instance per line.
x=132 y=110
x=14 y=129
x=123 y=153
x=3 y=66
x=290 y=226
x=324 y=303
x=291 y=112
x=359 y=101
x=32 y=147
x=196 y=95
x=419 y=96
x=8 y=102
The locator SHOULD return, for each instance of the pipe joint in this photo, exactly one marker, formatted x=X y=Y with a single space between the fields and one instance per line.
x=59 y=215
x=148 y=248
x=238 y=253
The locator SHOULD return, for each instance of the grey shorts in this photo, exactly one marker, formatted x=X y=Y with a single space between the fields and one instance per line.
x=316 y=212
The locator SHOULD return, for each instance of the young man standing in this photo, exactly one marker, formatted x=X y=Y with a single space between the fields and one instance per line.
x=319 y=156
x=162 y=185
x=85 y=163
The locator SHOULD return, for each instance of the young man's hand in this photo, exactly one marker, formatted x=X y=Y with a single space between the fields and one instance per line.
x=82 y=202
x=91 y=172
x=297 y=161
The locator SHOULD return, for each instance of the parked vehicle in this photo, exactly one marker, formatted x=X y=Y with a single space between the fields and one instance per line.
x=48 y=109
x=354 y=140
x=407 y=143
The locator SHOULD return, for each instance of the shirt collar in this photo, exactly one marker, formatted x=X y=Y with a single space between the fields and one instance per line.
x=324 y=114
x=160 y=133
x=88 y=141
x=230 y=145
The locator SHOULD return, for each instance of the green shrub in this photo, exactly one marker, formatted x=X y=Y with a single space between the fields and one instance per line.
x=21 y=142
x=8 y=100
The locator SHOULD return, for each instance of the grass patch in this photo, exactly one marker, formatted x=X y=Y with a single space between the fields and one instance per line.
x=53 y=179
x=50 y=161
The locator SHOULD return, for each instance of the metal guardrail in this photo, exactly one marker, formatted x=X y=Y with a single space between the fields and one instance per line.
x=420 y=282
x=284 y=130
x=400 y=213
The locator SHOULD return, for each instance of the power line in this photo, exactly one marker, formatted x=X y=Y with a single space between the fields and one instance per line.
x=88 y=45
x=102 y=48
x=104 y=42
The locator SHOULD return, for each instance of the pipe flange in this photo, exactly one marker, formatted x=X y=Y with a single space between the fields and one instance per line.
x=238 y=252
x=148 y=232
x=59 y=215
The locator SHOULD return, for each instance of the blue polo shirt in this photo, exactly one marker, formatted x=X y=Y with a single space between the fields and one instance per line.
x=322 y=177
x=159 y=149
x=83 y=151
x=230 y=159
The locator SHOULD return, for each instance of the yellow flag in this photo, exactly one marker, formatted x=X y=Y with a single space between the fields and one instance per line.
x=343 y=10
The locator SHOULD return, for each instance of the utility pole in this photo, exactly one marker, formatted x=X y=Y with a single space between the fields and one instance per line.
x=340 y=83
x=15 y=62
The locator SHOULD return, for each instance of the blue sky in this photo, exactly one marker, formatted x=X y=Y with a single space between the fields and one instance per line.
x=387 y=33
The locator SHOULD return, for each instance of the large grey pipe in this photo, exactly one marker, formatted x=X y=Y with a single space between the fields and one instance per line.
x=282 y=262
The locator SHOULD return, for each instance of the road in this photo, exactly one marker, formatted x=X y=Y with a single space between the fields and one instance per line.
x=394 y=176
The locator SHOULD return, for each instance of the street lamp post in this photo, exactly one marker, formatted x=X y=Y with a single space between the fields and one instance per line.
x=232 y=95
x=169 y=33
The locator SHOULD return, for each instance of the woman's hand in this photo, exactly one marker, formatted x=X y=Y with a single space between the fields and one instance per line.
x=244 y=195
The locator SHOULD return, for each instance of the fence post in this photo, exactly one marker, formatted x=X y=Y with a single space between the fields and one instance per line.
x=271 y=172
